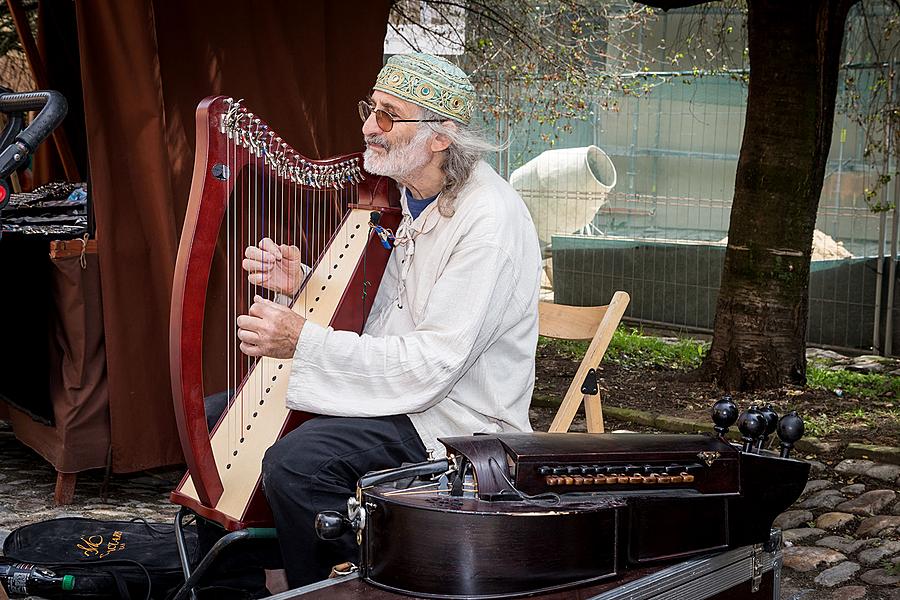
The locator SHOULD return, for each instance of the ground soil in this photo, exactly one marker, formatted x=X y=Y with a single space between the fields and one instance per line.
x=669 y=392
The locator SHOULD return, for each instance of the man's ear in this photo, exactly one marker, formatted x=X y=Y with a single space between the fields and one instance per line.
x=441 y=142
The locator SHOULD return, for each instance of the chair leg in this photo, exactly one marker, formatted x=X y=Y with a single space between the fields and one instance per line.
x=65 y=488
x=193 y=576
x=593 y=413
x=548 y=270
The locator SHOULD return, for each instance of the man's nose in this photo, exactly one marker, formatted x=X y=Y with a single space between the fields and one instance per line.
x=370 y=126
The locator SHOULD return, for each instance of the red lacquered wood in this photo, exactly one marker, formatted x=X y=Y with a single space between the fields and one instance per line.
x=206 y=208
x=207 y=205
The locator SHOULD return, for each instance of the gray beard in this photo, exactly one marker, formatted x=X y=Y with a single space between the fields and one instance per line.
x=398 y=162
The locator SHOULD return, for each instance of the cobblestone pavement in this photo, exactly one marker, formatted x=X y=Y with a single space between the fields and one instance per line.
x=27 y=483
x=842 y=536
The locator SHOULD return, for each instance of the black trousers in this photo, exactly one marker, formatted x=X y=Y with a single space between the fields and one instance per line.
x=315 y=468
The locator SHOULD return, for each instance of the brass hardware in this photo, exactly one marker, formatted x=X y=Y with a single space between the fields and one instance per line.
x=708 y=458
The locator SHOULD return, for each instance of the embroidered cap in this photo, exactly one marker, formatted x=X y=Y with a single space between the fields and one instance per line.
x=430 y=82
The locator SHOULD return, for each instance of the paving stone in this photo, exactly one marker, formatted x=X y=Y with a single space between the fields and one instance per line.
x=883 y=454
x=853 y=489
x=843 y=544
x=791 y=536
x=792 y=518
x=880 y=577
x=869 y=504
x=834 y=520
x=817 y=467
x=823 y=499
x=823 y=354
x=816 y=446
x=874 y=525
x=850 y=592
x=875 y=555
x=884 y=472
x=808 y=558
x=865 y=364
x=815 y=485
x=837 y=574
x=789 y=592
x=854 y=466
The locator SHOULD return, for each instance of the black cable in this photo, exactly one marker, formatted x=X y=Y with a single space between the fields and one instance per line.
x=545 y=499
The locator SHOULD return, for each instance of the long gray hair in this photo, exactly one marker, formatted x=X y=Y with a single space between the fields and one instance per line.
x=467 y=147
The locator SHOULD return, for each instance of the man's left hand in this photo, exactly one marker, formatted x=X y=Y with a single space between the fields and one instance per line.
x=269 y=329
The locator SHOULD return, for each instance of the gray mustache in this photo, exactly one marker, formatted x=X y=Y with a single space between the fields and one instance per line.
x=377 y=139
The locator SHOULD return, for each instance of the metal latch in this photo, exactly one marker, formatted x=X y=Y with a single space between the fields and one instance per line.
x=590 y=385
x=756 y=567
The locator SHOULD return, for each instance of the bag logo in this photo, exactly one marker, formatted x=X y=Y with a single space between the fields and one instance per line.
x=92 y=547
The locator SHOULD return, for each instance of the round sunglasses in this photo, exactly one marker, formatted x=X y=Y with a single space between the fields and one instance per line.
x=384 y=119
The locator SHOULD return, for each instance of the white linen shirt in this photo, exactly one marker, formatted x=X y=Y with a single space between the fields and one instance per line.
x=455 y=351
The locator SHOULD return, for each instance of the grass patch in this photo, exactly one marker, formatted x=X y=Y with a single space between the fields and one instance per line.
x=859 y=419
x=860 y=385
x=630 y=347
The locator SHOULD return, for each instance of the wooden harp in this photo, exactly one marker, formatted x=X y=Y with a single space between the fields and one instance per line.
x=248 y=184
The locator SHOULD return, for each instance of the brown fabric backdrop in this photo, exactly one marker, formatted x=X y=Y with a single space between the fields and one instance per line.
x=145 y=66
x=79 y=438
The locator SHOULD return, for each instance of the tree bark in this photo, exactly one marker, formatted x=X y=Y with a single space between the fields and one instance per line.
x=759 y=338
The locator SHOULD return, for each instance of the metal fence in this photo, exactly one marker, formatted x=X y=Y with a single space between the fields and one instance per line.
x=638 y=196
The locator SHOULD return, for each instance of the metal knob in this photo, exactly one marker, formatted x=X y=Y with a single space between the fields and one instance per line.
x=752 y=425
x=771 y=418
x=790 y=430
x=724 y=414
x=330 y=525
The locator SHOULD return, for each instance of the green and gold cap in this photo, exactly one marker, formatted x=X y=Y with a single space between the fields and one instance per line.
x=430 y=82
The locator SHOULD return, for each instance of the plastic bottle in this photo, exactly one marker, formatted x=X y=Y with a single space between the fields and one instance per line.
x=23 y=579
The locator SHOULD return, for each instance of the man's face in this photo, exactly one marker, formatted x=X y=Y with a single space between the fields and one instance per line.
x=402 y=150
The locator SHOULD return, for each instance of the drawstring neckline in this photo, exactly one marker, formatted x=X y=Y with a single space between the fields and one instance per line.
x=406 y=236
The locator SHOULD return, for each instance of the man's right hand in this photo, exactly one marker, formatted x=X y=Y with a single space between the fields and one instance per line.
x=273 y=266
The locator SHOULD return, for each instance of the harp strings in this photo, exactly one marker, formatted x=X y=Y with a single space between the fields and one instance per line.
x=275 y=193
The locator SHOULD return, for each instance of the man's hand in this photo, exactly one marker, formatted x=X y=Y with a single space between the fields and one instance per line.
x=273 y=266
x=269 y=330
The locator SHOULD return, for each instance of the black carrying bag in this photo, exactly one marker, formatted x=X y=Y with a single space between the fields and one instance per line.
x=108 y=559
x=133 y=560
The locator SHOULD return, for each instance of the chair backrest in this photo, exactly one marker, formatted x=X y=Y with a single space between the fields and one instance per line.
x=595 y=323
x=569 y=322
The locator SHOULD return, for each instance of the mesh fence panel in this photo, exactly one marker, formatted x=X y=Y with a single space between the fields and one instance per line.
x=637 y=197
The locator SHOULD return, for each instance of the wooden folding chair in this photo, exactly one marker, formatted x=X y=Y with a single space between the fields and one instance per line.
x=595 y=323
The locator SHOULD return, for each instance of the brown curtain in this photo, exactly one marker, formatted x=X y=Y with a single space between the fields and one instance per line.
x=78 y=439
x=145 y=66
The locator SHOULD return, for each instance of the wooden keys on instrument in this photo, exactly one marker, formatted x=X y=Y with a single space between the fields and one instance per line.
x=618 y=475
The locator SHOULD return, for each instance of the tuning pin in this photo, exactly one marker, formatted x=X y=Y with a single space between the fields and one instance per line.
x=724 y=414
x=771 y=418
x=790 y=430
x=752 y=425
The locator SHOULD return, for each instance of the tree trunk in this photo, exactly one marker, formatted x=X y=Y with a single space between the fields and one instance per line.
x=759 y=338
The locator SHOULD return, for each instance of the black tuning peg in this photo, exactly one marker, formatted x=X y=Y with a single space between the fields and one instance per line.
x=330 y=525
x=724 y=414
x=752 y=425
x=771 y=418
x=790 y=430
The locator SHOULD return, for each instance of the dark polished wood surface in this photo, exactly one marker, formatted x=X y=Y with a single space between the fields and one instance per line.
x=514 y=538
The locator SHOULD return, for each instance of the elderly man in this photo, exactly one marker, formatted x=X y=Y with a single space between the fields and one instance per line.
x=448 y=348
